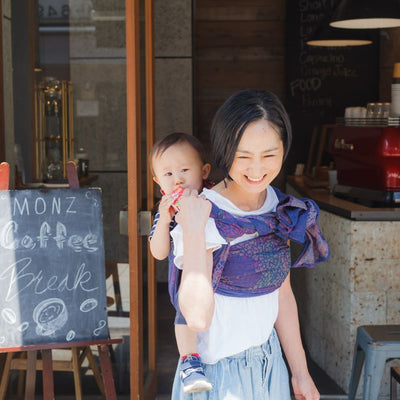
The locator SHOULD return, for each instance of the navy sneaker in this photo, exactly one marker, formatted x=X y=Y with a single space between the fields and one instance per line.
x=192 y=375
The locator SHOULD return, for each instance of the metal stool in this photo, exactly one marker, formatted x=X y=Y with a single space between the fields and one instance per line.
x=376 y=344
x=394 y=377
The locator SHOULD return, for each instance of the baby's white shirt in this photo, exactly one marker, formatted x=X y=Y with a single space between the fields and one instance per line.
x=238 y=323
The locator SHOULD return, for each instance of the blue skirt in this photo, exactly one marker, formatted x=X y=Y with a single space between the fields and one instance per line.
x=258 y=373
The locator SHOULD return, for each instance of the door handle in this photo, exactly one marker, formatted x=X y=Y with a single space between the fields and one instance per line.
x=144 y=222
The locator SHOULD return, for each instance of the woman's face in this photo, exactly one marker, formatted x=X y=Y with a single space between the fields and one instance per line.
x=258 y=158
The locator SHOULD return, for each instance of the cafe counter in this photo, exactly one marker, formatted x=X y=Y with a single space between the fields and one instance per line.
x=359 y=285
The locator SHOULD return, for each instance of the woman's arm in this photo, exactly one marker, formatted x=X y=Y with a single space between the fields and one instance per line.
x=196 y=297
x=287 y=327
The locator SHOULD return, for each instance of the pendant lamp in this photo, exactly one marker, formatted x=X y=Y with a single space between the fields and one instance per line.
x=327 y=36
x=366 y=14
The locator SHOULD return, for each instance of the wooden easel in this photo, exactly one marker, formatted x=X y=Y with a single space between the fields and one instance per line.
x=31 y=365
x=80 y=350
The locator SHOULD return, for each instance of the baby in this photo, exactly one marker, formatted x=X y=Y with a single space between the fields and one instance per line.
x=178 y=162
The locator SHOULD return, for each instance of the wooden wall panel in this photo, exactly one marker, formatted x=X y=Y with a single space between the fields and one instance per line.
x=268 y=34
x=239 y=53
x=239 y=74
x=241 y=3
x=225 y=11
x=238 y=44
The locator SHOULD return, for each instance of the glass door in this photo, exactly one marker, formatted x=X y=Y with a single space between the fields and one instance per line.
x=100 y=53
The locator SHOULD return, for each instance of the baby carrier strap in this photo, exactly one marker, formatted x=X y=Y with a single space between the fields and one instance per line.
x=294 y=219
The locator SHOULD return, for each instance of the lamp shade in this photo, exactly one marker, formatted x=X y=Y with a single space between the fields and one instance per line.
x=327 y=36
x=366 y=14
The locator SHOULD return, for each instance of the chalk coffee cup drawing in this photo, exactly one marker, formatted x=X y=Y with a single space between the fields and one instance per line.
x=50 y=315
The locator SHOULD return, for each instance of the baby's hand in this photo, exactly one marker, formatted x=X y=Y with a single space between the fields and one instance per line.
x=166 y=210
x=194 y=211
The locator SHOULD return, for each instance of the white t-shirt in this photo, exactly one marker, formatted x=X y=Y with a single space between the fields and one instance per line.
x=238 y=323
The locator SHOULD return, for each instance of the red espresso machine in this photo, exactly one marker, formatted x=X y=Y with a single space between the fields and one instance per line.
x=368 y=163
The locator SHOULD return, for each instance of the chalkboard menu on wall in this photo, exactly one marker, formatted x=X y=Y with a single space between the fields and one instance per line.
x=322 y=81
x=52 y=279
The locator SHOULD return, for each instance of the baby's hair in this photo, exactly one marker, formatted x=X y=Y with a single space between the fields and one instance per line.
x=233 y=117
x=176 y=138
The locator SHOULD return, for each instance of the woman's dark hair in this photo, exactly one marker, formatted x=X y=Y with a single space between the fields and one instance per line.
x=233 y=117
x=173 y=138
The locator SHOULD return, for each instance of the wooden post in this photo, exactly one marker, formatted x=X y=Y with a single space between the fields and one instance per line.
x=48 y=382
x=150 y=135
x=2 y=127
x=106 y=370
x=30 y=382
x=132 y=10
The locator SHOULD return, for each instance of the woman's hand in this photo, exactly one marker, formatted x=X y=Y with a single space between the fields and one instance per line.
x=288 y=329
x=304 y=388
x=194 y=211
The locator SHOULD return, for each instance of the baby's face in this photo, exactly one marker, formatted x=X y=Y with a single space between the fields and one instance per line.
x=179 y=165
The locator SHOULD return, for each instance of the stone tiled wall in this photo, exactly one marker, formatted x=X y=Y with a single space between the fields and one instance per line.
x=173 y=66
x=97 y=68
x=173 y=75
x=359 y=285
x=97 y=71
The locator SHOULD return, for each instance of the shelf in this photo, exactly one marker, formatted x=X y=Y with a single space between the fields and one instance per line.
x=83 y=182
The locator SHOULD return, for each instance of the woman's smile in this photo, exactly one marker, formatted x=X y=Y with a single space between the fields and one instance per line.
x=255 y=180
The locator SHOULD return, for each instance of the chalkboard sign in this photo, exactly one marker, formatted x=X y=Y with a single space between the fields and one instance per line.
x=322 y=81
x=52 y=277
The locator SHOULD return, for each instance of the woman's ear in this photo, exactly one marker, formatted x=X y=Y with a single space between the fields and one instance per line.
x=156 y=180
x=206 y=170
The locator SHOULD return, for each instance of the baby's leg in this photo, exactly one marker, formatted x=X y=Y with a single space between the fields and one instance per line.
x=191 y=368
x=185 y=339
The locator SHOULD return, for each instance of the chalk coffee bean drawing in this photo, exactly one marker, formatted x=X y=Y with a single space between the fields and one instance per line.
x=50 y=315
x=98 y=330
x=9 y=316
x=70 y=335
x=88 y=305
x=89 y=196
x=23 y=327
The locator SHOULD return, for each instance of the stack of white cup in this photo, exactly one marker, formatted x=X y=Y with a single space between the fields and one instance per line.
x=355 y=115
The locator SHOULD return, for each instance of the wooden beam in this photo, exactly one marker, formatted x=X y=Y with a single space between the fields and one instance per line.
x=150 y=135
x=150 y=386
x=2 y=128
x=59 y=365
x=61 y=345
x=30 y=382
x=33 y=43
x=134 y=195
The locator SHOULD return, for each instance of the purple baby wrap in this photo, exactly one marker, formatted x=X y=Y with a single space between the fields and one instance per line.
x=260 y=265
